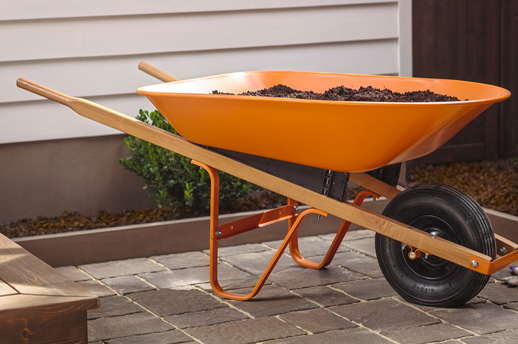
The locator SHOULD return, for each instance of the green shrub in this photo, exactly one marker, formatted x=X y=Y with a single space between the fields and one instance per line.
x=178 y=183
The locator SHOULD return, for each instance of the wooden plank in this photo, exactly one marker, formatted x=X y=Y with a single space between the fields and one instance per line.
x=370 y=220
x=68 y=328
x=34 y=9
x=119 y=75
x=29 y=275
x=6 y=289
x=115 y=36
x=373 y=184
x=19 y=306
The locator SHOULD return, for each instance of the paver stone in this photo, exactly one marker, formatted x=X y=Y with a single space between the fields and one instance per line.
x=256 y=263
x=358 y=262
x=308 y=246
x=425 y=334
x=300 y=277
x=350 y=336
x=124 y=326
x=365 y=246
x=271 y=300
x=183 y=260
x=481 y=318
x=246 y=331
x=240 y=249
x=168 y=337
x=127 y=284
x=176 y=278
x=502 y=337
x=499 y=293
x=384 y=315
x=121 y=268
x=205 y=318
x=325 y=296
x=370 y=289
x=114 y=306
x=168 y=302
x=317 y=320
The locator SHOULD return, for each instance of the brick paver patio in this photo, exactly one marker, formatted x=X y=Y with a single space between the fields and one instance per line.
x=168 y=299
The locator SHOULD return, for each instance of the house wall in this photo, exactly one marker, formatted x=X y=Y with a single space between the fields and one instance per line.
x=92 y=49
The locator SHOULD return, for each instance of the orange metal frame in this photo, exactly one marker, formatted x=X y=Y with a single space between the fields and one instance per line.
x=288 y=212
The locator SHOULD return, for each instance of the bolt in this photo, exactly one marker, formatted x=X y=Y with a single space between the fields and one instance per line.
x=502 y=250
x=426 y=256
x=403 y=246
x=318 y=217
x=218 y=233
x=295 y=208
x=474 y=263
x=412 y=255
x=432 y=236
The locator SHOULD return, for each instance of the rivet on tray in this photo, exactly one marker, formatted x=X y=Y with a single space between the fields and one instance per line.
x=474 y=263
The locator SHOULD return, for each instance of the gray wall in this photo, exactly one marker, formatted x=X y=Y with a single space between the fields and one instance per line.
x=47 y=177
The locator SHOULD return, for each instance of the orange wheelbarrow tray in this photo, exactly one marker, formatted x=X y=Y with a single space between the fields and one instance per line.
x=334 y=133
x=384 y=134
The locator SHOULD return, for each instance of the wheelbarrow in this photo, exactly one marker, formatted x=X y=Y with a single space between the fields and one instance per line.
x=434 y=245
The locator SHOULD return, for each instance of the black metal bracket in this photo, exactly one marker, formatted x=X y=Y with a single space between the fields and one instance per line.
x=327 y=182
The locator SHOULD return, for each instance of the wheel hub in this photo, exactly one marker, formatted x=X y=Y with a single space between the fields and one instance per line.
x=429 y=266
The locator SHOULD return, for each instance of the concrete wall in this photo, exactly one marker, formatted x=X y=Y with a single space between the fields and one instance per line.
x=91 y=50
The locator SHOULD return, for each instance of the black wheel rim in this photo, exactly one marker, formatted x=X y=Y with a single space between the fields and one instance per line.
x=431 y=267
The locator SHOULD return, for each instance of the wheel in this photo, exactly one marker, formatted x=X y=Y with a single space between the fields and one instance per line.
x=447 y=213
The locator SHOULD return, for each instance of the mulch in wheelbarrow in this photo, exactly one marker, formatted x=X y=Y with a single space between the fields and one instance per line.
x=342 y=93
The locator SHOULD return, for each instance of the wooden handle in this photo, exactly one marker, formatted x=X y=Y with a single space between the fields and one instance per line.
x=43 y=91
x=157 y=73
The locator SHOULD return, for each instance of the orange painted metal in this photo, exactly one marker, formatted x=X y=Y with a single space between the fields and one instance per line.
x=216 y=234
x=257 y=125
x=489 y=268
x=294 y=244
x=256 y=221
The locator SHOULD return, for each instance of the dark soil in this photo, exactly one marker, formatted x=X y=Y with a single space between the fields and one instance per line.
x=493 y=184
x=342 y=93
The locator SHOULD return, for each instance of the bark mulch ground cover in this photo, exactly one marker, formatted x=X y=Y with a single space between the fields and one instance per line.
x=73 y=221
x=493 y=184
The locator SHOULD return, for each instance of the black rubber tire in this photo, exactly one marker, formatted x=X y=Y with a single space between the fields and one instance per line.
x=448 y=213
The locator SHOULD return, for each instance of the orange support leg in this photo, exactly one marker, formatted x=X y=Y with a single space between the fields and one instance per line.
x=294 y=243
x=240 y=226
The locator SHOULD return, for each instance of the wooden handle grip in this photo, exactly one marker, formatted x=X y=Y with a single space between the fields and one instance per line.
x=43 y=91
x=157 y=73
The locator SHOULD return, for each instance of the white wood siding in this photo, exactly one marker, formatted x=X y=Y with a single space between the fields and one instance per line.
x=91 y=49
